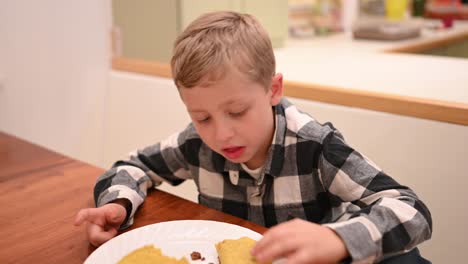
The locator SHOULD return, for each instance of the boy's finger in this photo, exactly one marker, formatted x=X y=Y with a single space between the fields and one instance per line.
x=97 y=236
x=270 y=238
x=300 y=257
x=80 y=217
x=88 y=214
x=276 y=250
x=259 y=249
x=261 y=244
x=115 y=214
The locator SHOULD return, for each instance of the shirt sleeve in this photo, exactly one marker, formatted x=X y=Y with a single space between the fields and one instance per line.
x=129 y=179
x=374 y=215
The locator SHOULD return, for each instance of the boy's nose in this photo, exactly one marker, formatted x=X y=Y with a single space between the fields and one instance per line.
x=224 y=132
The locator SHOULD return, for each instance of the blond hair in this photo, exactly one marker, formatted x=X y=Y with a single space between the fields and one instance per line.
x=217 y=41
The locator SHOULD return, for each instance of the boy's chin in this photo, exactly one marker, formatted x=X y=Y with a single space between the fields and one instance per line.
x=237 y=160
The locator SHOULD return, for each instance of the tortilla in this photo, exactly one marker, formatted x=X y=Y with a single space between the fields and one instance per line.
x=150 y=255
x=236 y=251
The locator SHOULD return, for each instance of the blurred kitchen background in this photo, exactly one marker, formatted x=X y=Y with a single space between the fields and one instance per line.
x=90 y=79
x=301 y=19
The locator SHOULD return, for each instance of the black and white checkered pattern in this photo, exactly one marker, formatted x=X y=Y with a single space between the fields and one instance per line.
x=310 y=173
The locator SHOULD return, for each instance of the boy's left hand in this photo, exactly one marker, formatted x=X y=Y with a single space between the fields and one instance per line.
x=301 y=242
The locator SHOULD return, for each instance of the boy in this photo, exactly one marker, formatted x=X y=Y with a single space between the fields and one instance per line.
x=253 y=154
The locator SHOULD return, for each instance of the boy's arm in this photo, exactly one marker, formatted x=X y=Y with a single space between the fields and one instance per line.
x=128 y=180
x=376 y=216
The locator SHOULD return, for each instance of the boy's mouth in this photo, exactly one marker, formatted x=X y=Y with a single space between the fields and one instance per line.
x=233 y=152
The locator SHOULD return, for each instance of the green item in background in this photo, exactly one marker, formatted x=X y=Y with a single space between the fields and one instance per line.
x=148 y=28
x=419 y=7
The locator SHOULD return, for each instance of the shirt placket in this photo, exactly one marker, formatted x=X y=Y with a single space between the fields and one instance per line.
x=255 y=196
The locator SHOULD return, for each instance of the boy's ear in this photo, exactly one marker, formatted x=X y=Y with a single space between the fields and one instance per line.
x=276 y=89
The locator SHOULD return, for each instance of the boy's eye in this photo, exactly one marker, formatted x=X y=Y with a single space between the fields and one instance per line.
x=203 y=120
x=236 y=114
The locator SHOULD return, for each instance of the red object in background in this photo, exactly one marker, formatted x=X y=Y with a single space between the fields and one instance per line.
x=447 y=22
x=444 y=1
x=446 y=10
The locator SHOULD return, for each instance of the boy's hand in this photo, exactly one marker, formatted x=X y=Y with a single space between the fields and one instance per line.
x=301 y=242
x=103 y=222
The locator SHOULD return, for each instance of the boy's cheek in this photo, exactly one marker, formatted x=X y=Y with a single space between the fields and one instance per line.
x=208 y=141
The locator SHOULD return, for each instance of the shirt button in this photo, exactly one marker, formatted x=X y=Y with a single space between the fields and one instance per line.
x=234 y=177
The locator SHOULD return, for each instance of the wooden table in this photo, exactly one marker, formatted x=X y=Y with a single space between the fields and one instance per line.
x=40 y=193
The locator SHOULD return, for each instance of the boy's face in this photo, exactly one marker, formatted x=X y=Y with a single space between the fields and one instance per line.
x=234 y=116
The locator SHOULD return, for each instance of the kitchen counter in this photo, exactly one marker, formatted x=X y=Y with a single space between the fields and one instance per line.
x=343 y=62
x=367 y=74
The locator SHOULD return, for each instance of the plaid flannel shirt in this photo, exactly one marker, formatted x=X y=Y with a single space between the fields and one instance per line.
x=310 y=173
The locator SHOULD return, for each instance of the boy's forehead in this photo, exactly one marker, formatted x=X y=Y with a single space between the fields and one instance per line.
x=216 y=103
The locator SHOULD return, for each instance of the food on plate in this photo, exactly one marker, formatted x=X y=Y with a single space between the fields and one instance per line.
x=230 y=251
x=195 y=255
x=236 y=251
x=149 y=255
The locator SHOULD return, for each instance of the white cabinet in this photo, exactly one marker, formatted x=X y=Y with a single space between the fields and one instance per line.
x=148 y=28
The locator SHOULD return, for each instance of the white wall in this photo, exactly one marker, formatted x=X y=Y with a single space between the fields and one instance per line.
x=143 y=110
x=431 y=157
x=54 y=58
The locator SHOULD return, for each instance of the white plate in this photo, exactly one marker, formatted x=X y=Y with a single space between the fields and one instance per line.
x=174 y=238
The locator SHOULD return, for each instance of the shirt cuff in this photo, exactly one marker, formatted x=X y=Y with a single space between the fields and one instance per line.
x=362 y=244
x=129 y=218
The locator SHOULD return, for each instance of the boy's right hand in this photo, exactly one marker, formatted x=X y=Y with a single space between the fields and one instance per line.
x=102 y=223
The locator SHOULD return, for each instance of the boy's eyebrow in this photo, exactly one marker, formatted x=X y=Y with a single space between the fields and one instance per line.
x=229 y=102
x=196 y=111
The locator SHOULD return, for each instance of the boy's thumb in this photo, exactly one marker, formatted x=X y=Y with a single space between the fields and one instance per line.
x=115 y=215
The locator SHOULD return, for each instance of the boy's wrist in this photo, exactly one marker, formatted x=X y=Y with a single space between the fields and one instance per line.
x=342 y=250
x=123 y=202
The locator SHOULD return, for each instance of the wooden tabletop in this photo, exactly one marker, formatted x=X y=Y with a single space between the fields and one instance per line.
x=40 y=193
